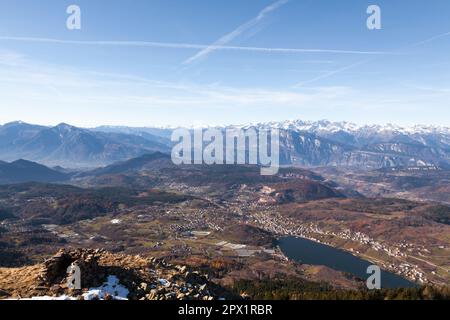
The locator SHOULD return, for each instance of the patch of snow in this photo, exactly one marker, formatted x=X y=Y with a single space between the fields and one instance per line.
x=47 y=298
x=111 y=287
x=325 y=126
x=164 y=282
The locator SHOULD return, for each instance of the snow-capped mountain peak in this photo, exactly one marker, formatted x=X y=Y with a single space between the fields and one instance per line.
x=326 y=126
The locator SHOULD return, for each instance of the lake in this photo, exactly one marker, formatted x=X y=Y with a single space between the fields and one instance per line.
x=309 y=252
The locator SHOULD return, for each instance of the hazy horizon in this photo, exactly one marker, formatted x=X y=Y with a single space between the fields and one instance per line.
x=205 y=125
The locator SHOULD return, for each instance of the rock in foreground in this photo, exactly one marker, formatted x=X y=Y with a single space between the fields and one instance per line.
x=108 y=276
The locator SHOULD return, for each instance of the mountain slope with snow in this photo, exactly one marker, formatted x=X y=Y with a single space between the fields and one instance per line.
x=326 y=143
x=303 y=143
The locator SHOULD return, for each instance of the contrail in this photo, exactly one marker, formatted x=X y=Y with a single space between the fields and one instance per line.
x=237 y=32
x=169 y=45
x=332 y=73
x=354 y=65
x=431 y=39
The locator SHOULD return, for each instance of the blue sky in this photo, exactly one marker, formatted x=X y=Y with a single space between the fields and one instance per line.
x=192 y=62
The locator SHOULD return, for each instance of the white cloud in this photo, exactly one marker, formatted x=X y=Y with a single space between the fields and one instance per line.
x=32 y=83
x=11 y=58
x=43 y=93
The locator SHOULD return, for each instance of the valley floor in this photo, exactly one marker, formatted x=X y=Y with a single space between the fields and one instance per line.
x=224 y=230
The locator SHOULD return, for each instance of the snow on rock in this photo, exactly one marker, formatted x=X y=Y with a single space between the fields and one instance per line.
x=47 y=298
x=111 y=287
x=164 y=282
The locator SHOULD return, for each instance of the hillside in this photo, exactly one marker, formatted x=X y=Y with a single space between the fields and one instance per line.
x=26 y=171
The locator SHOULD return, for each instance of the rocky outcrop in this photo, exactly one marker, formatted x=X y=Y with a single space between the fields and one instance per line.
x=54 y=271
x=142 y=278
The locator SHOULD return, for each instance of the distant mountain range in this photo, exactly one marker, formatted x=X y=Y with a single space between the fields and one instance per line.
x=26 y=171
x=73 y=147
x=343 y=144
x=303 y=143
